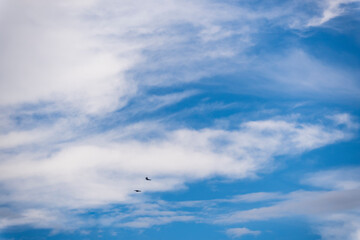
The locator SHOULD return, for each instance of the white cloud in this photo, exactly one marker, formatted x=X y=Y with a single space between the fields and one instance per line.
x=330 y=9
x=103 y=170
x=213 y=203
x=85 y=55
x=299 y=72
x=340 y=226
x=78 y=54
x=39 y=218
x=340 y=179
x=239 y=232
x=152 y=103
x=335 y=214
x=14 y=139
x=146 y=222
x=303 y=203
x=49 y=54
x=90 y=57
x=344 y=119
x=257 y=197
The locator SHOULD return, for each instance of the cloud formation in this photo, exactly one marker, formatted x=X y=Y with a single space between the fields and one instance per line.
x=335 y=213
x=104 y=170
x=92 y=57
x=239 y=232
x=331 y=9
x=69 y=68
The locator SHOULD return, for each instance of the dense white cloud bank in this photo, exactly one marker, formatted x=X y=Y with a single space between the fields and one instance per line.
x=79 y=54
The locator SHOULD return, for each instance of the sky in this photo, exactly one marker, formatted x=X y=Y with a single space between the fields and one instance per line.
x=244 y=114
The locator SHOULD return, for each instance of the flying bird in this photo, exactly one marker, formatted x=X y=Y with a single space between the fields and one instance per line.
x=148 y=179
x=137 y=190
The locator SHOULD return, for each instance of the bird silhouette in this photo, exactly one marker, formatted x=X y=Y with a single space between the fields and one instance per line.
x=148 y=179
x=137 y=190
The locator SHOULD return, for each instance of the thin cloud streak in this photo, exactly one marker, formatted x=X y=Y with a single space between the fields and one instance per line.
x=239 y=232
x=335 y=213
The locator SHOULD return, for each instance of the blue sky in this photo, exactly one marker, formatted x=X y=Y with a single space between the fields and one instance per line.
x=245 y=115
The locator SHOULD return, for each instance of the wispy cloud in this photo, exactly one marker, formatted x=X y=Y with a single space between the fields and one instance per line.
x=334 y=213
x=330 y=9
x=239 y=232
x=301 y=74
x=67 y=69
x=100 y=171
x=82 y=56
x=344 y=179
